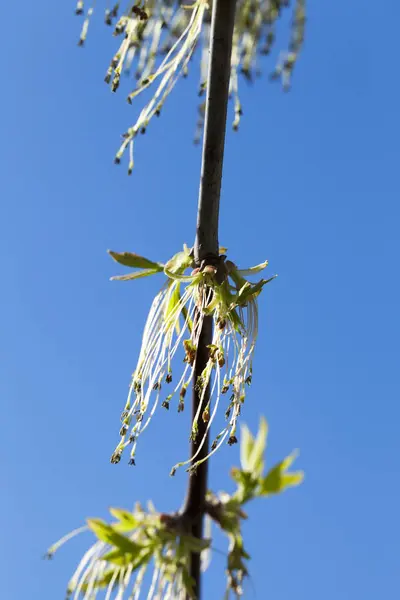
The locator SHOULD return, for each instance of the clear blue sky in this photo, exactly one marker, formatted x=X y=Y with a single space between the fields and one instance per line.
x=311 y=183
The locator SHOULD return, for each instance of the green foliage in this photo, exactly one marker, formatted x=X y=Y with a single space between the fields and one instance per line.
x=106 y=533
x=277 y=479
x=227 y=510
x=251 y=482
x=126 y=520
x=129 y=259
x=252 y=450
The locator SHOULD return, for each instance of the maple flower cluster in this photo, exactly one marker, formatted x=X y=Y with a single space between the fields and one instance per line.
x=160 y=38
x=172 y=331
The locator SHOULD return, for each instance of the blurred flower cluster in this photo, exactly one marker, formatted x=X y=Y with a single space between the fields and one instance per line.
x=147 y=554
x=160 y=37
x=141 y=548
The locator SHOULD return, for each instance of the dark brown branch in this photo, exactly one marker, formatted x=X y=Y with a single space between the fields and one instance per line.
x=222 y=22
x=206 y=244
x=197 y=488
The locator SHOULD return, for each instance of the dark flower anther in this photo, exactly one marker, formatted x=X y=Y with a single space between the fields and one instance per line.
x=116 y=457
x=123 y=430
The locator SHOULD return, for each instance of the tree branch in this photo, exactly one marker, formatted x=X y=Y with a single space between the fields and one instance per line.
x=222 y=23
x=206 y=244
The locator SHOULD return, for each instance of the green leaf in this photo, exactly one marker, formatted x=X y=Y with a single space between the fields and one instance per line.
x=244 y=291
x=194 y=544
x=247 y=485
x=106 y=533
x=127 y=521
x=117 y=557
x=179 y=277
x=277 y=479
x=173 y=303
x=252 y=270
x=130 y=259
x=246 y=447
x=256 y=459
x=143 y=558
x=235 y=320
x=249 y=291
x=243 y=478
x=179 y=262
x=134 y=275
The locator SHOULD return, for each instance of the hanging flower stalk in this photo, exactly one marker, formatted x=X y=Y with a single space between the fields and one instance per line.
x=172 y=330
x=161 y=36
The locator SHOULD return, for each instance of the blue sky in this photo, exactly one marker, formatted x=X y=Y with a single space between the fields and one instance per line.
x=311 y=183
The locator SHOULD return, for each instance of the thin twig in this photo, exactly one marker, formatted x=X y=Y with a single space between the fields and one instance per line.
x=206 y=244
x=222 y=22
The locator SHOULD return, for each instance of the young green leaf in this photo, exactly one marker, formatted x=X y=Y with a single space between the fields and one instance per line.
x=249 y=291
x=106 y=533
x=194 y=544
x=252 y=270
x=278 y=479
x=256 y=459
x=179 y=262
x=117 y=557
x=173 y=303
x=178 y=277
x=135 y=275
x=246 y=447
x=130 y=259
x=127 y=521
